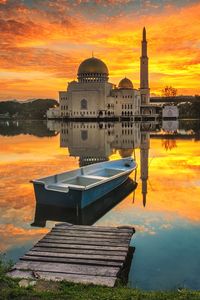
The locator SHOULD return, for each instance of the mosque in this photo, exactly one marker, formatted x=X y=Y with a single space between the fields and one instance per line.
x=92 y=96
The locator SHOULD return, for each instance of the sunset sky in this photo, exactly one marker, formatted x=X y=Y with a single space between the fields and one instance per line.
x=44 y=41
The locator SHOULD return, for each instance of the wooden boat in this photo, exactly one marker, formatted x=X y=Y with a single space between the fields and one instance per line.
x=85 y=185
x=83 y=216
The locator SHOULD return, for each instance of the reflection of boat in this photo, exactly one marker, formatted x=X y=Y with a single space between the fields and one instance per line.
x=85 y=216
x=84 y=185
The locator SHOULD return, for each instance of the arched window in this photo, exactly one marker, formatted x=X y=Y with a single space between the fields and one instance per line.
x=84 y=104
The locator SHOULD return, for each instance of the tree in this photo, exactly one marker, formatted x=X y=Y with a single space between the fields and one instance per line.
x=169 y=91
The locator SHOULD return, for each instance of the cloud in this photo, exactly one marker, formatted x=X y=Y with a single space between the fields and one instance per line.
x=166 y=226
x=145 y=229
x=37 y=59
x=11 y=230
x=12 y=236
x=53 y=37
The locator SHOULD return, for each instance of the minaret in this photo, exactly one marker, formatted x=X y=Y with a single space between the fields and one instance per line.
x=144 y=160
x=144 y=74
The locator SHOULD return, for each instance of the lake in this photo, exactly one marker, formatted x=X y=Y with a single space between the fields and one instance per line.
x=164 y=208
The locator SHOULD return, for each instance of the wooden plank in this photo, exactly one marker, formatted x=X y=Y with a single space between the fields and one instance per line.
x=83 y=241
x=80 y=251
x=67 y=268
x=89 y=238
x=79 y=255
x=85 y=237
x=71 y=260
x=97 y=228
x=98 y=280
x=89 y=247
x=92 y=233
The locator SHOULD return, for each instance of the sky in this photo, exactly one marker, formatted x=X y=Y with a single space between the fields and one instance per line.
x=44 y=41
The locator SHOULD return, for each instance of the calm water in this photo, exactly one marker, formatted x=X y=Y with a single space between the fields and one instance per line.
x=164 y=208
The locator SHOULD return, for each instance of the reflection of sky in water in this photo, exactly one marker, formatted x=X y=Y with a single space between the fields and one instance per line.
x=168 y=259
x=167 y=229
x=167 y=248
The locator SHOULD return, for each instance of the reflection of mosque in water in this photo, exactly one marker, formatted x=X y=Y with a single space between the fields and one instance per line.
x=95 y=142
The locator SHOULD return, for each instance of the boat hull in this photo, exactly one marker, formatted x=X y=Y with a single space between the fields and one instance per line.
x=77 y=198
x=87 y=216
x=91 y=195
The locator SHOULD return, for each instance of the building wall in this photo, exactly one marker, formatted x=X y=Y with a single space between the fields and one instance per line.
x=170 y=112
x=53 y=113
x=148 y=110
x=64 y=103
x=85 y=99
x=101 y=99
x=126 y=102
x=170 y=125
x=85 y=104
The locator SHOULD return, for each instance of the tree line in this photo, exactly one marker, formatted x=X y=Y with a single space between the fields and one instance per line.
x=35 y=109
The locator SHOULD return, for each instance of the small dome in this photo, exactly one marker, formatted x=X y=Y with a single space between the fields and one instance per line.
x=125 y=83
x=93 y=65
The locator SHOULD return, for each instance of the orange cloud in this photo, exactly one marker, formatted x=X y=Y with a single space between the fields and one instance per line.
x=11 y=230
x=35 y=39
x=15 y=236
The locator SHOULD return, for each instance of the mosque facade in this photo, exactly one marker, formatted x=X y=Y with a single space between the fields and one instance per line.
x=92 y=96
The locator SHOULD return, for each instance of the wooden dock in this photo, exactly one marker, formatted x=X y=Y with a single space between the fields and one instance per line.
x=84 y=254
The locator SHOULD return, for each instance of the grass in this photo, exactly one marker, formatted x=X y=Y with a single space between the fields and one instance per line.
x=47 y=290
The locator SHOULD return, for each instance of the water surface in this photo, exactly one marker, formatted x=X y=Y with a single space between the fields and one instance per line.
x=164 y=208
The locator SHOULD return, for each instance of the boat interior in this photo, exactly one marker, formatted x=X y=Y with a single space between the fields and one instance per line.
x=85 y=177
